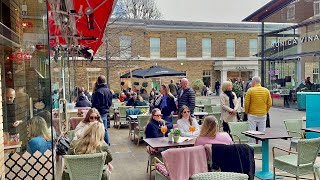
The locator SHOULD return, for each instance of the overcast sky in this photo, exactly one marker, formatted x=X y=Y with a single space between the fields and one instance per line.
x=208 y=10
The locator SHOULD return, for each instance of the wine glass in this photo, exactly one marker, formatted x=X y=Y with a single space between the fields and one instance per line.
x=164 y=130
x=192 y=129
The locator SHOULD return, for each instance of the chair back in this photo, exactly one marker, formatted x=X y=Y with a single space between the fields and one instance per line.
x=308 y=150
x=174 y=119
x=236 y=129
x=85 y=166
x=216 y=108
x=142 y=121
x=316 y=168
x=122 y=111
x=294 y=125
x=200 y=101
x=208 y=108
x=220 y=175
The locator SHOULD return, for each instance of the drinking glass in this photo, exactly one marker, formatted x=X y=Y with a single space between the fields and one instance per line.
x=192 y=129
x=164 y=130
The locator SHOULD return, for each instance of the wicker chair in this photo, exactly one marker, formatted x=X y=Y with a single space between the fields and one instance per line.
x=294 y=129
x=298 y=163
x=220 y=176
x=236 y=129
x=316 y=168
x=77 y=166
x=122 y=116
x=139 y=131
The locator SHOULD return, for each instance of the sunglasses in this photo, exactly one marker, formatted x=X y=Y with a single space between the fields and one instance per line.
x=95 y=117
x=158 y=115
x=185 y=112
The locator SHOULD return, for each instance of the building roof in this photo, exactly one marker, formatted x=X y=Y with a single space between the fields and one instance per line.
x=267 y=10
x=189 y=25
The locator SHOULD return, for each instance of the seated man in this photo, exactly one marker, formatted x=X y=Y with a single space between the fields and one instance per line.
x=132 y=100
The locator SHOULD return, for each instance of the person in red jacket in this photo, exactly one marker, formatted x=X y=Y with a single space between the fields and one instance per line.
x=122 y=97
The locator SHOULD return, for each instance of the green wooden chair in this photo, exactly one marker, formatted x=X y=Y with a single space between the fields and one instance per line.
x=236 y=129
x=139 y=130
x=174 y=119
x=122 y=115
x=294 y=129
x=298 y=163
x=77 y=166
x=316 y=168
x=208 y=109
x=219 y=175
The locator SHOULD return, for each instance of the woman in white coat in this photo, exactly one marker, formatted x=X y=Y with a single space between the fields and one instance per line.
x=229 y=105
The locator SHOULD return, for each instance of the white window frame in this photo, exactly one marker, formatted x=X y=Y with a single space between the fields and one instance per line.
x=316 y=4
x=181 y=48
x=206 y=50
x=231 y=51
x=125 y=46
x=155 y=43
x=291 y=12
x=253 y=50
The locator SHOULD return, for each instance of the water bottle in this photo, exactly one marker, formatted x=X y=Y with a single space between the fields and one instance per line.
x=170 y=137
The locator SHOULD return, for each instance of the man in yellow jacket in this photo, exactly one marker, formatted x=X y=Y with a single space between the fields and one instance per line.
x=257 y=104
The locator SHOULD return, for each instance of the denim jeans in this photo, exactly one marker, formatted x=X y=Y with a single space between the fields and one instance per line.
x=105 y=118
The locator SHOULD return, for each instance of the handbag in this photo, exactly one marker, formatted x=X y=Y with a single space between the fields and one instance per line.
x=63 y=145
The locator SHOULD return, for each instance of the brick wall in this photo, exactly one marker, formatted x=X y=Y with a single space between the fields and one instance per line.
x=2 y=167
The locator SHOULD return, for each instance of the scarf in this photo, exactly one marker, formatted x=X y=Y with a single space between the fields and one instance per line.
x=231 y=97
x=163 y=102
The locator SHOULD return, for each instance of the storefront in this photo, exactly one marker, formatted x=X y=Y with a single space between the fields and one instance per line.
x=290 y=55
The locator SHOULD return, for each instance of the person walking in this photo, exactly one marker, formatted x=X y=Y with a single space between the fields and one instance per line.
x=257 y=104
x=186 y=96
x=217 y=87
x=102 y=100
x=173 y=88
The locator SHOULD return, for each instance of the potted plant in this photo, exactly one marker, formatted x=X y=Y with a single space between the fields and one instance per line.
x=176 y=135
x=197 y=85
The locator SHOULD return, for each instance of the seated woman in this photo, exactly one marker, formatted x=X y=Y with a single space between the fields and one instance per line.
x=153 y=129
x=46 y=115
x=185 y=121
x=40 y=139
x=92 y=116
x=209 y=133
x=122 y=97
x=140 y=102
x=91 y=142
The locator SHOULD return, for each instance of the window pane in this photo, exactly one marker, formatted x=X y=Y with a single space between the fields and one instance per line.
x=125 y=47
x=206 y=47
x=154 y=48
x=253 y=45
x=181 y=48
x=317 y=8
x=231 y=48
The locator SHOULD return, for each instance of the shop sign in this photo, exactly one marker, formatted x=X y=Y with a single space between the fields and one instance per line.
x=241 y=67
x=295 y=41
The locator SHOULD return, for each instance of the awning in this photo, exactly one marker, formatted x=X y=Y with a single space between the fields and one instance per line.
x=101 y=10
x=153 y=71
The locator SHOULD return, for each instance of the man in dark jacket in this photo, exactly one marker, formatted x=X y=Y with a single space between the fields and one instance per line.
x=173 y=89
x=186 y=96
x=102 y=100
x=83 y=101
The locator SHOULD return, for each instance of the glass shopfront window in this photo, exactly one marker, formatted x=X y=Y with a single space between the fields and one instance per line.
x=25 y=87
x=292 y=63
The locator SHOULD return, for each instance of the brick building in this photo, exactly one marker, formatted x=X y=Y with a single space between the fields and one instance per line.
x=207 y=51
x=292 y=51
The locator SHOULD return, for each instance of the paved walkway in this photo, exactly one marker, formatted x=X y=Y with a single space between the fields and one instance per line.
x=130 y=160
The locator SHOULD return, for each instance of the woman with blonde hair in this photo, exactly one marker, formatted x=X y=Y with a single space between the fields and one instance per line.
x=91 y=142
x=229 y=105
x=40 y=140
x=185 y=121
x=165 y=102
x=153 y=128
x=209 y=133
x=91 y=116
